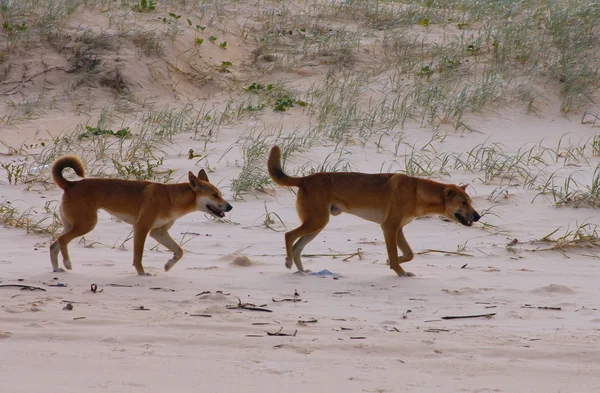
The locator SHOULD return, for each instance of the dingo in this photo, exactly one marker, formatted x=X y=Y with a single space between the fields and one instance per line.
x=151 y=208
x=391 y=200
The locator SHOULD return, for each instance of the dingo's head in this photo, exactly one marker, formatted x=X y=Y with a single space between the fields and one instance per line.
x=458 y=205
x=208 y=197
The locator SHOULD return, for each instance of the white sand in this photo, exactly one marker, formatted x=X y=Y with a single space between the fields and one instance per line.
x=115 y=348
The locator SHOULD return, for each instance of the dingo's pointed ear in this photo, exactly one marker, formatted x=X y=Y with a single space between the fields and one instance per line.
x=464 y=187
x=202 y=175
x=449 y=192
x=194 y=181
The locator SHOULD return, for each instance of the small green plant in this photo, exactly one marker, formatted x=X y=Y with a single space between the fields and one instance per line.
x=472 y=49
x=284 y=103
x=425 y=71
x=142 y=170
x=174 y=18
x=15 y=173
x=254 y=108
x=584 y=235
x=223 y=45
x=251 y=178
x=11 y=217
x=201 y=28
x=192 y=154
x=224 y=67
x=11 y=29
x=145 y=6
x=212 y=39
x=271 y=219
x=424 y=22
x=91 y=132
x=257 y=87
x=199 y=41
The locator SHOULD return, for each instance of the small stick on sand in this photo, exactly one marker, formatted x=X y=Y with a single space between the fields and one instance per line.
x=406 y=313
x=119 y=285
x=23 y=287
x=72 y=301
x=542 y=307
x=462 y=254
x=201 y=315
x=295 y=300
x=302 y=322
x=469 y=316
x=341 y=254
x=141 y=308
x=278 y=333
x=434 y=330
x=358 y=252
x=248 y=306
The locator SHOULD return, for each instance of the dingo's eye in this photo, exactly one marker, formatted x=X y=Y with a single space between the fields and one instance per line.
x=464 y=204
x=216 y=195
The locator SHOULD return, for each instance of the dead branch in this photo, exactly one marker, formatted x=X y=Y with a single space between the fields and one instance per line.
x=304 y=322
x=23 y=287
x=22 y=82
x=358 y=252
x=434 y=330
x=248 y=306
x=542 y=307
x=428 y=251
x=294 y=300
x=278 y=333
x=162 y=289
x=469 y=316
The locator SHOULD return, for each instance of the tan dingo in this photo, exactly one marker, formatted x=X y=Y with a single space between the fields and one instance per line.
x=391 y=200
x=151 y=208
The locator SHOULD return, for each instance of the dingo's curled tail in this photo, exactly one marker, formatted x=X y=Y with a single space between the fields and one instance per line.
x=276 y=173
x=66 y=162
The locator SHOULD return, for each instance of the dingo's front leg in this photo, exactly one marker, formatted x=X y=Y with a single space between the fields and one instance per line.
x=162 y=236
x=392 y=234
